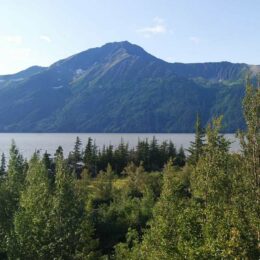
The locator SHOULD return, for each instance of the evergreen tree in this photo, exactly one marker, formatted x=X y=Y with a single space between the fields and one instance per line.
x=161 y=240
x=154 y=155
x=90 y=157
x=59 y=153
x=104 y=184
x=136 y=177
x=163 y=154
x=11 y=190
x=3 y=165
x=180 y=159
x=77 y=150
x=16 y=172
x=224 y=230
x=143 y=154
x=32 y=221
x=83 y=185
x=250 y=144
x=171 y=151
x=72 y=229
x=196 y=148
x=216 y=159
x=121 y=157
x=47 y=161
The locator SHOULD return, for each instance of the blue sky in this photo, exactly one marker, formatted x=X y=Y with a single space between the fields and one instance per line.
x=40 y=32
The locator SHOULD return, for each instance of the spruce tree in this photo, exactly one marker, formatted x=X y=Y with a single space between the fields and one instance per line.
x=171 y=151
x=47 y=161
x=2 y=166
x=90 y=157
x=58 y=153
x=77 y=150
x=167 y=230
x=11 y=189
x=143 y=154
x=32 y=221
x=225 y=232
x=104 y=184
x=180 y=159
x=196 y=148
x=250 y=144
x=121 y=155
x=16 y=172
x=72 y=229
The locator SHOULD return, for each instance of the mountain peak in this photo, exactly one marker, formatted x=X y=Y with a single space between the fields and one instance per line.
x=130 y=48
x=119 y=87
x=120 y=43
x=112 y=50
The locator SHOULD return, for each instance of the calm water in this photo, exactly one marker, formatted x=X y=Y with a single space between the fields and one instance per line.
x=28 y=143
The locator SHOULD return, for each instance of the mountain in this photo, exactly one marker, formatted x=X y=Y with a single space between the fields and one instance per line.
x=6 y=80
x=22 y=74
x=119 y=87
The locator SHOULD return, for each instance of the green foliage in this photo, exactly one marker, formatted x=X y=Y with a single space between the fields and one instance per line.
x=11 y=188
x=32 y=222
x=196 y=148
x=77 y=150
x=180 y=157
x=71 y=228
x=160 y=241
x=90 y=157
x=250 y=143
x=103 y=186
x=151 y=155
x=2 y=166
x=121 y=205
x=211 y=176
x=49 y=221
x=210 y=208
x=16 y=172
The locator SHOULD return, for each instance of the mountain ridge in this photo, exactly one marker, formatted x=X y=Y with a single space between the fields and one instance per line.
x=120 y=87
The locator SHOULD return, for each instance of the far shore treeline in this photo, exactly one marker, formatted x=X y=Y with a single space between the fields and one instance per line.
x=151 y=202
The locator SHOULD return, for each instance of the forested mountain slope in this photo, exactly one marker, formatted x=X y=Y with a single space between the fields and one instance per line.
x=119 y=87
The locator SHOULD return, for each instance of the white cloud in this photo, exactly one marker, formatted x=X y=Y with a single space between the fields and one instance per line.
x=45 y=38
x=13 y=39
x=153 y=29
x=158 y=19
x=194 y=39
x=158 y=27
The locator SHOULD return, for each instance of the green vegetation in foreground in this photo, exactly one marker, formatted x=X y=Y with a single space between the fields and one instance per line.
x=121 y=204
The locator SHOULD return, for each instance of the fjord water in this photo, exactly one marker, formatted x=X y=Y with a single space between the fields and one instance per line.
x=28 y=143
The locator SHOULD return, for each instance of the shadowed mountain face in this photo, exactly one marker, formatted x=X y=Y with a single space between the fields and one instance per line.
x=121 y=88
